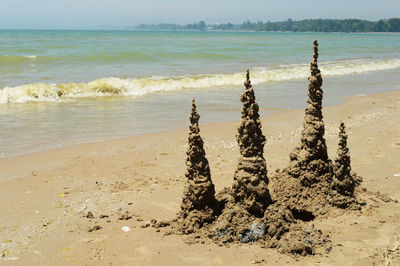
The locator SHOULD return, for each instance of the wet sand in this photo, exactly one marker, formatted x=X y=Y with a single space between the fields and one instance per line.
x=46 y=197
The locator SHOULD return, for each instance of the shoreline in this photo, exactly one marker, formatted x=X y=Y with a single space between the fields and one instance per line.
x=274 y=111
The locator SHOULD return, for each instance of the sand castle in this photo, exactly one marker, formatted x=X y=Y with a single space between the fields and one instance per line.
x=309 y=186
x=198 y=201
x=309 y=161
x=250 y=179
x=306 y=184
x=344 y=181
x=243 y=206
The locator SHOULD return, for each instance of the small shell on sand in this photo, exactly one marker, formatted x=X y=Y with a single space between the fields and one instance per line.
x=126 y=229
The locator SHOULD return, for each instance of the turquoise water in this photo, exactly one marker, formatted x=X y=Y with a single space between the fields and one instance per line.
x=61 y=88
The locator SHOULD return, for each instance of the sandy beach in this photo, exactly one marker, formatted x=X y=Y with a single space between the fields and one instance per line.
x=93 y=204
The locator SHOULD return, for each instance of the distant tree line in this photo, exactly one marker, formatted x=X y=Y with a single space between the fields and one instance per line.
x=326 y=25
x=308 y=25
x=163 y=26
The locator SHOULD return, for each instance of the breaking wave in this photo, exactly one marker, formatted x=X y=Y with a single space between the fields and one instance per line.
x=16 y=59
x=144 y=85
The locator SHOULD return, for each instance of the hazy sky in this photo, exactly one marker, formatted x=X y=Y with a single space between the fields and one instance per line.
x=95 y=13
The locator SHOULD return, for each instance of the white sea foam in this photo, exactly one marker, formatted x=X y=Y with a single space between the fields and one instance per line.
x=145 y=85
x=18 y=57
x=30 y=56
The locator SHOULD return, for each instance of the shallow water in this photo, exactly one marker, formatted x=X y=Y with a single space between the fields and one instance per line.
x=68 y=87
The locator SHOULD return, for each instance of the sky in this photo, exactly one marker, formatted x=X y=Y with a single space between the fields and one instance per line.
x=86 y=14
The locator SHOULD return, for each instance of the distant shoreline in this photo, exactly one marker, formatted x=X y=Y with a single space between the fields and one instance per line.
x=391 y=25
x=170 y=30
x=307 y=25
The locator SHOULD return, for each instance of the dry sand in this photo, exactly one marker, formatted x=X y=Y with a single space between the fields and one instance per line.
x=50 y=200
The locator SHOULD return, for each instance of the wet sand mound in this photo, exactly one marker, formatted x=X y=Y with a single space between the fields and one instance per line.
x=250 y=180
x=345 y=181
x=198 y=203
x=311 y=182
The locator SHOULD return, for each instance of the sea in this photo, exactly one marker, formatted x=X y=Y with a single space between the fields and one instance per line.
x=65 y=87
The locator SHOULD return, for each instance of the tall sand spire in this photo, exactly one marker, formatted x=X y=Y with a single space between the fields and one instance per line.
x=199 y=193
x=306 y=184
x=312 y=149
x=250 y=179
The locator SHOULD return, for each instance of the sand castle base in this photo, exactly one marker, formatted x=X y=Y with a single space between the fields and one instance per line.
x=250 y=185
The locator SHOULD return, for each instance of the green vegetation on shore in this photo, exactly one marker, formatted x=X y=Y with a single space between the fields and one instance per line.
x=308 y=25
